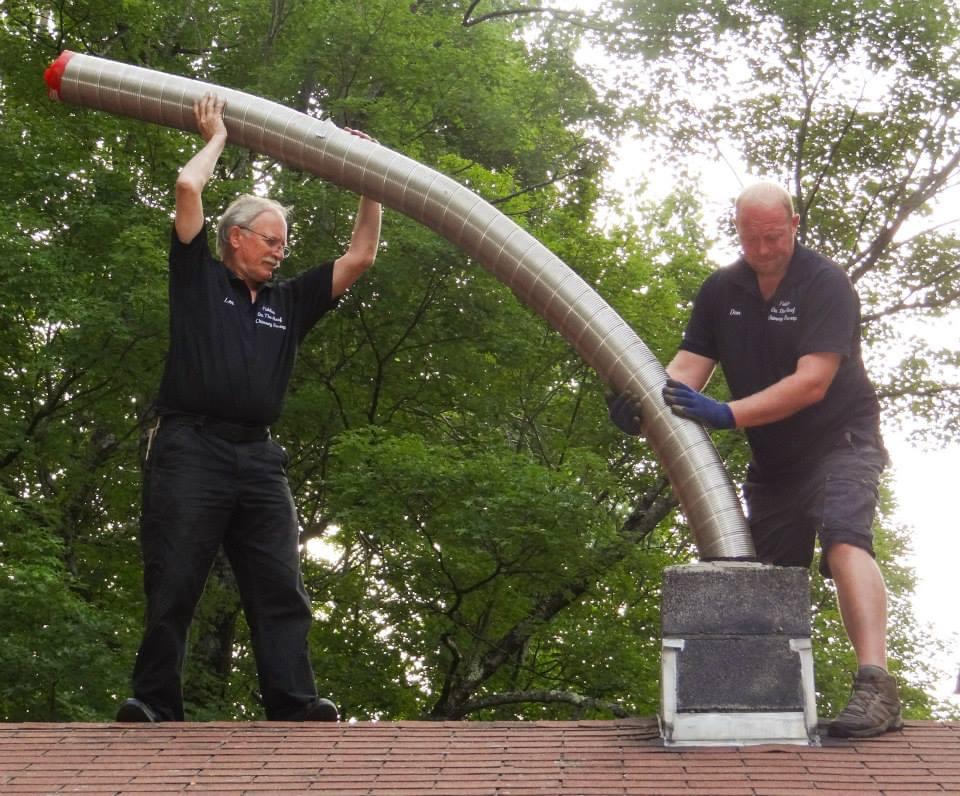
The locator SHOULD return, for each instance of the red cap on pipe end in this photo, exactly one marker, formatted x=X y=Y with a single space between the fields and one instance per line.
x=53 y=74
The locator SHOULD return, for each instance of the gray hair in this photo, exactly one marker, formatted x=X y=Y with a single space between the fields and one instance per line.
x=768 y=194
x=241 y=213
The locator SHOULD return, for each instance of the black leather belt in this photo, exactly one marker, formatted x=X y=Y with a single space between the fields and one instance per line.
x=231 y=432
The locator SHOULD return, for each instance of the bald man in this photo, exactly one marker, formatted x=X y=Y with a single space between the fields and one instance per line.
x=784 y=324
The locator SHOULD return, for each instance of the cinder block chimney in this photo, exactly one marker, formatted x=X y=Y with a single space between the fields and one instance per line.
x=737 y=662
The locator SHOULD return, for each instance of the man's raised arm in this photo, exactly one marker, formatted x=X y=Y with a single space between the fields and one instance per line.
x=364 y=240
x=194 y=176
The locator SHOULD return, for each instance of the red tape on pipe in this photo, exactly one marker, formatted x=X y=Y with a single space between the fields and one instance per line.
x=53 y=74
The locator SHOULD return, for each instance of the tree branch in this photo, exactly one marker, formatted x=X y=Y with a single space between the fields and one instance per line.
x=926 y=190
x=566 y=16
x=641 y=523
x=542 y=696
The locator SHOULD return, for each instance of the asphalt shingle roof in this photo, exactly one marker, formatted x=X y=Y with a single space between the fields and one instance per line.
x=552 y=758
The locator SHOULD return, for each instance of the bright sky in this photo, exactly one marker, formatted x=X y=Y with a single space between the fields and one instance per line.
x=925 y=486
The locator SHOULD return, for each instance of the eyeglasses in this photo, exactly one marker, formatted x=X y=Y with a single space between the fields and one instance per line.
x=272 y=242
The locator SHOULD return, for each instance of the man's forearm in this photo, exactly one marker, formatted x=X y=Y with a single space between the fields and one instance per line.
x=365 y=238
x=804 y=387
x=194 y=176
x=362 y=251
x=777 y=402
x=190 y=184
x=199 y=169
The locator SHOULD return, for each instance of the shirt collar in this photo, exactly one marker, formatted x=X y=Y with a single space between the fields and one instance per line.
x=743 y=275
x=238 y=283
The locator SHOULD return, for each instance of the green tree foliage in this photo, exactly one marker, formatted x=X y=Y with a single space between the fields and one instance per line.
x=484 y=543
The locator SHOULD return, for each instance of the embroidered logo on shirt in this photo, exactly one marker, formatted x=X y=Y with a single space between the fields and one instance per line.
x=228 y=300
x=783 y=310
x=735 y=311
x=267 y=317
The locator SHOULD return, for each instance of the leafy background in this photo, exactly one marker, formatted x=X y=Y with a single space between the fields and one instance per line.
x=486 y=544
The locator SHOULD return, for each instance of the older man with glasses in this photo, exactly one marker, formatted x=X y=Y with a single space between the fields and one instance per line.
x=212 y=474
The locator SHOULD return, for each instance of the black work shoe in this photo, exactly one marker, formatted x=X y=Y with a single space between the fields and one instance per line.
x=874 y=706
x=319 y=710
x=135 y=710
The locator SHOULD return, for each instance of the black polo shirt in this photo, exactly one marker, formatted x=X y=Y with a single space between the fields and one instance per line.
x=758 y=342
x=230 y=358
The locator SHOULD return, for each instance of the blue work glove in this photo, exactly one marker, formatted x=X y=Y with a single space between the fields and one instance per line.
x=687 y=402
x=625 y=413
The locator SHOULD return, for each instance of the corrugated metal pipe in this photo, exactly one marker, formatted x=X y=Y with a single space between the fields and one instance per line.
x=537 y=276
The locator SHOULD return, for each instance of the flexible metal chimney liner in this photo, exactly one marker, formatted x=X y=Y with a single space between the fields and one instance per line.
x=537 y=276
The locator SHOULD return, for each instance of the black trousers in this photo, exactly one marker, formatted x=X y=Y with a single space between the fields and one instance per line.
x=201 y=491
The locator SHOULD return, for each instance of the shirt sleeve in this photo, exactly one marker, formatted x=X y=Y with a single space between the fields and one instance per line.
x=313 y=296
x=699 y=336
x=185 y=258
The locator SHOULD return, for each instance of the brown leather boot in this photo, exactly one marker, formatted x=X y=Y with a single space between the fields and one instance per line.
x=874 y=706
